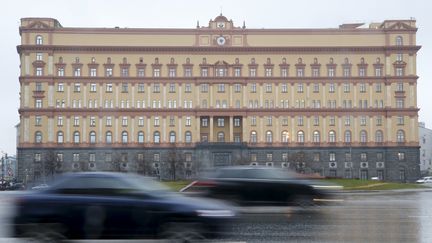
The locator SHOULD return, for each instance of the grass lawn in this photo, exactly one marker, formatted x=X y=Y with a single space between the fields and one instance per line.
x=352 y=184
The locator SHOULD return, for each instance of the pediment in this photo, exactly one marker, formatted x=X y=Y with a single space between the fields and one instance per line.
x=400 y=26
x=38 y=25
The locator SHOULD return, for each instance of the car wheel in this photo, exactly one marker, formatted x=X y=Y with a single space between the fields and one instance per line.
x=304 y=201
x=45 y=234
x=182 y=232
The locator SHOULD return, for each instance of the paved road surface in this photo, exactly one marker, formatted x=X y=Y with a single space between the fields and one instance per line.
x=363 y=217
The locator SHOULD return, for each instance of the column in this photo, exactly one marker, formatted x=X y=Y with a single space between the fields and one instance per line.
x=277 y=137
x=245 y=135
x=211 y=96
x=196 y=137
x=211 y=129
x=50 y=129
x=147 y=124
x=50 y=65
x=164 y=95
x=231 y=130
x=180 y=130
x=164 y=140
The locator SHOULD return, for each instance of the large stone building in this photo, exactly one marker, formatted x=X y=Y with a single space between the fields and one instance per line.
x=425 y=135
x=341 y=102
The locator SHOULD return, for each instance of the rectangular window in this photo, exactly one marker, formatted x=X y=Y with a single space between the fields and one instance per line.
x=39 y=56
x=379 y=156
x=237 y=72
x=237 y=88
x=331 y=72
x=316 y=88
x=60 y=72
x=315 y=72
x=77 y=72
x=378 y=87
x=253 y=121
x=108 y=157
x=92 y=157
x=60 y=87
x=77 y=87
x=362 y=88
x=221 y=122
x=141 y=88
x=38 y=121
x=332 y=120
x=346 y=87
x=93 y=72
x=92 y=121
x=300 y=72
x=378 y=72
x=60 y=121
x=363 y=157
x=284 y=72
x=269 y=157
x=171 y=88
x=252 y=72
x=188 y=72
x=38 y=86
x=379 y=120
x=172 y=121
x=188 y=122
x=400 y=120
x=204 y=88
x=299 y=88
x=363 y=121
x=253 y=87
x=284 y=88
x=348 y=157
x=316 y=157
x=236 y=122
x=109 y=72
x=285 y=157
x=76 y=121
x=156 y=88
x=204 y=122
x=300 y=121
x=75 y=157
x=156 y=72
x=204 y=72
x=268 y=72
x=172 y=72
x=268 y=88
x=124 y=88
x=253 y=157
x=399 y=87
x=221 y=88
x=347 y=121
x=400 y=103
x=108 y=121
x=188 y=88
x=140 y=121
x=156 y=121
x=269 y=121
x=332 y=157
x=316 y=121
x=93 y=88
x=331 y=88
x=109 y=88
x=38 y=103
x=39 y=71
x=401 y=156
x=141 y=72
x=156 y=157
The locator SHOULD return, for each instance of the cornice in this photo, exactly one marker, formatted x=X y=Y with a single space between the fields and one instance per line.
x=218 y=49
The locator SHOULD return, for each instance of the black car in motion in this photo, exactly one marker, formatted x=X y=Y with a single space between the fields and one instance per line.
x=115 y=205
x=251 y=185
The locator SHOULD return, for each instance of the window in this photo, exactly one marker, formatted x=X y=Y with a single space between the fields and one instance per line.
x=75 y=157
x=300 y=72
x=268 y=72
x=156 y=137
x=108 y=121
x=379 y=156
x=300 y=88
x=378 y=87
x=253 y=88
x=252 y=72
x=253 y=137
x=124 y=121
x=39 y=40
x=285 y=137
x=60 y=72
x=378 y=136
x=347 y=121
x=347 y=136
x=188 y=137
x=172 y=72
x=92 y=157
x=204 y=122
x=237 y=88
x=108 y=137
x=141 y=88
x=188 y=88
x=399 y=71
x=316 y=137
x=221 y=137
x=60 y=137
x=156 y=88
x=332 y=136
x=38 y=137
x=76 y=121
x=379 y=120
x=172 y=137
x=363 y=157
x=39 y=56
x=332 y=120
x=269 y=137
x=316 y=121
x=237 y=72
x=363 y=136
x=108 y=157
x=221 y=122
x=400 y=120
x=300 y=121
x=253 y=121
x=400 y=136
x=332 y=157
x=346 y=87
x=300 y=137
x=331 y=88
x=253 y=157
x=39 y=71
x=284 y=88
x=124 y=137
x=188 y=72
x=124 y=88
x=221 y=88
x=399 y=41
x=188 y=121
x=284 y=72
x=401 y=156
x=156 y=121
x=400 y=103
x=204 y=72
x=362 y=120
x=378 y=72
x=269 y=121
x=204 y=88
x=76 y=137
x=399 y=87
x=156 y=72
x=236 y=122
x=93 y=72
x=92 y=137
x=77 y=72
x=38 y=120
x=109 y=88
x=362 y=88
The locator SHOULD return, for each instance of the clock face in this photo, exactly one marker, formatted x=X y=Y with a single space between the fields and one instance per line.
x=221 y=40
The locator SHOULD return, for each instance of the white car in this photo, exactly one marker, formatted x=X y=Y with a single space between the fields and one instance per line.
x=41 y=186
x=427 y=179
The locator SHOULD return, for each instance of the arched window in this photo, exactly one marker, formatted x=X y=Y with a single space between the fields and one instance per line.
x=172 y=137
x=285 y=137
x=253 y=137
x=347 y=136
x=269 y=137
x=92 y=137
x=363 y=136
x=221 y=137
x=399 y=41
x=38 y=137
x=140 y=137
x=124 y=137
x=379 y=136
x=300 y=137
x=156 y=137
x=332 y=136
x=76 y=136
x=60 y=137
x=39 y=40
x=316 y=137
x=108 y=137
x=400 y=136
x=188 y=137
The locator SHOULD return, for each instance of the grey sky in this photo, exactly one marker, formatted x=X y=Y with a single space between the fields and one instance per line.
x=185 y=13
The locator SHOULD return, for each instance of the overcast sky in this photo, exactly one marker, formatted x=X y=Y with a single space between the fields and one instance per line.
x=185 y=13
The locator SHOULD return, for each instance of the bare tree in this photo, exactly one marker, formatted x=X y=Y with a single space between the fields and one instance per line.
x=51 y=164
x=116 y=161
x=175 y=165
x=143 y=167
x=299 y=161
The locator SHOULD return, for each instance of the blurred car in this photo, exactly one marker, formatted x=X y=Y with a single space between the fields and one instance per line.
x=116 y=206
x=41 y=186
x=251 y=185
x=16 y=186
x=426 y=179
x=375 y=178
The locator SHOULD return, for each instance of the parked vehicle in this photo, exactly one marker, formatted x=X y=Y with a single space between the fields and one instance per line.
x=250 y=185
x=41 y=186
x=427 y=179
x=115 y=205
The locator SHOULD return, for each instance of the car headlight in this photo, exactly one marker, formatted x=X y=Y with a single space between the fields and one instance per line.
x=215 y=213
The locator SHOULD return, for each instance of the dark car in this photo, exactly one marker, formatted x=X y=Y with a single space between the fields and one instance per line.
x=250 y=185
x=115 y=205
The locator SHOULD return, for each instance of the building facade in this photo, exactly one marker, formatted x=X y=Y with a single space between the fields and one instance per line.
x=425 y=135
x=340 y=102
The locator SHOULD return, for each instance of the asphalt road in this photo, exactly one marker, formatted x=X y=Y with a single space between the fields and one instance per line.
x=362 y=217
